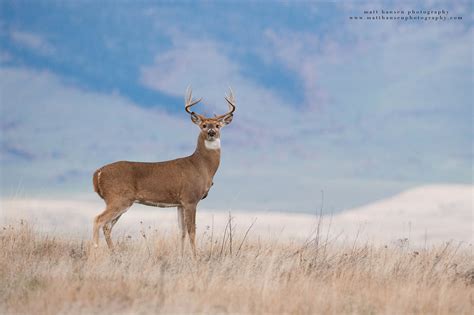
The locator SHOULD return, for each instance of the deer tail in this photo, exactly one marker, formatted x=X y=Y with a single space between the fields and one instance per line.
x=96 y=182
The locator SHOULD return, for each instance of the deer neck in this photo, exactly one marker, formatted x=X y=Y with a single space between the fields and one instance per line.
x=208 y=154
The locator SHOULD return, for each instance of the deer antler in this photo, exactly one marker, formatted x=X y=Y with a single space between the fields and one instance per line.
x=231 y=101
x=188 y=100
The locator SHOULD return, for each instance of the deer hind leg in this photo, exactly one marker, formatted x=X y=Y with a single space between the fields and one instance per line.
x=190 y=221
x=107 y=228
x=107 y=219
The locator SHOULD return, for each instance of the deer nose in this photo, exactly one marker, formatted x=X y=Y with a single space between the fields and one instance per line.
x=211 y=132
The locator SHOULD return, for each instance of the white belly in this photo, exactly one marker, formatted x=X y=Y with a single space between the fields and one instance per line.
x=156 y=204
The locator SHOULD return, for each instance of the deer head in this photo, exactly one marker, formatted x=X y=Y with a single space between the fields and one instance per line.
x=210 y=126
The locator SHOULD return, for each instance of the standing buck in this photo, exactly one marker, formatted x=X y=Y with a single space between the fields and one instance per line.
x=180 y=183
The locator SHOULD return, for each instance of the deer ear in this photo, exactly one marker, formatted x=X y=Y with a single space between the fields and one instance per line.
x=227 y=119
x=196 y=119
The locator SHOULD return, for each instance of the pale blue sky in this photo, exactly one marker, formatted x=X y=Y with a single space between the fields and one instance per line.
x=358 y=109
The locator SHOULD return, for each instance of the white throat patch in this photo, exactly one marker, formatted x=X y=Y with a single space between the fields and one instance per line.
x=213 y=145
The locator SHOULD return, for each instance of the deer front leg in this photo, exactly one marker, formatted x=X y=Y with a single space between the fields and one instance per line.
x=182 y=227
x=190 y=221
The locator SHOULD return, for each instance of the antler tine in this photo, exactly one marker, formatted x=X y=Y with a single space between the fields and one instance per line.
x=231 y=101
x=188 y=100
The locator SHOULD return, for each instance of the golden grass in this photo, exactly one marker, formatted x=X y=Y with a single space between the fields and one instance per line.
x=45 y=274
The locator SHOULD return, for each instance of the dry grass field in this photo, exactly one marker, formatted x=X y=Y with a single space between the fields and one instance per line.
x=42 y=273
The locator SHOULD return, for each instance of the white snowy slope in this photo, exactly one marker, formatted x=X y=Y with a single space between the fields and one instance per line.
x=423 y=215
x=434 y=213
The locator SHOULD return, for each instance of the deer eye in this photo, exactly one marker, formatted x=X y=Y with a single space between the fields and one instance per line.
x=204 y=126
x=217 y=126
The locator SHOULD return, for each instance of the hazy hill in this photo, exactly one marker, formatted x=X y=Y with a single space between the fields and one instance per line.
x=434 y=213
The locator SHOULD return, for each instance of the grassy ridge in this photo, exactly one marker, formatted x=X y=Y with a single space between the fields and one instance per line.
x=46 y=274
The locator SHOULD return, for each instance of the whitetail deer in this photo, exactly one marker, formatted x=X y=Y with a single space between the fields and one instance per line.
x=180 y=183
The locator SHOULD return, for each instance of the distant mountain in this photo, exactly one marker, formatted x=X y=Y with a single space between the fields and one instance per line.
x=433 y=213
x=422 y=215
